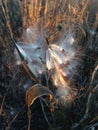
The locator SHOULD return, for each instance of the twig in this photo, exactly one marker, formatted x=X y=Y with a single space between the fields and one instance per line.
x=14 y=118
x=94 y=72
x=88 y=106
x=29 y=117
x=45 y=114
x=92 y=78
x=1 y=109
x=92 y=125
x=30 y=74
x=89 y=101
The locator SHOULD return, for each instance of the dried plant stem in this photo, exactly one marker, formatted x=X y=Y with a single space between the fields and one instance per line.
x=1 y=108
x=29 y=72
x=6 y=16
x=92 y=78
x=82 y=123
x=29 y=117
x=91 y=94
x=7 y=128
x=45 y=114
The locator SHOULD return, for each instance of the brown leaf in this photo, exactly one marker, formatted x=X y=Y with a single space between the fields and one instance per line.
x=36 y=91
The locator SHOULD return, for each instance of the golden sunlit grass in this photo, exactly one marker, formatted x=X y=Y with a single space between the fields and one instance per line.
x=50 y=13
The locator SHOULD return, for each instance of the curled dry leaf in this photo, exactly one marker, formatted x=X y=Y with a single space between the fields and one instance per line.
x=36 y=91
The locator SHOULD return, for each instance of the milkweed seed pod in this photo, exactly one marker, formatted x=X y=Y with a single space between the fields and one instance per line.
x=49 y=43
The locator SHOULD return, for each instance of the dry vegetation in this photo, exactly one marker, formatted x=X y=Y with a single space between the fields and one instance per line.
x=80 y=16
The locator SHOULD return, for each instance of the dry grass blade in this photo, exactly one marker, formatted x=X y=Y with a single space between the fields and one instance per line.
x=36 y=91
